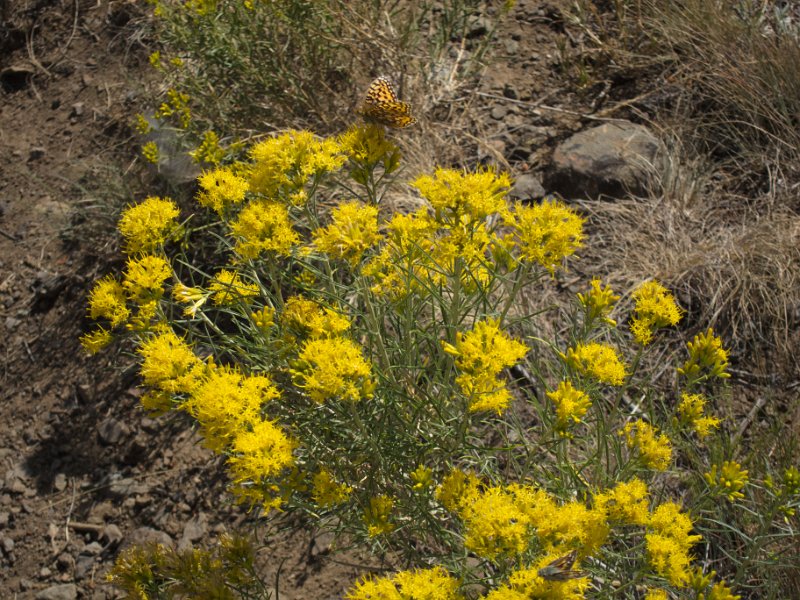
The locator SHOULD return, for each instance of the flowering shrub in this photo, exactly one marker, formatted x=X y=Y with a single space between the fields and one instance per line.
x=352 y=365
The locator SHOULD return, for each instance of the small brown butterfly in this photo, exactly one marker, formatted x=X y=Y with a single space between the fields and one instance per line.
x=382 y=106
x=561 y=569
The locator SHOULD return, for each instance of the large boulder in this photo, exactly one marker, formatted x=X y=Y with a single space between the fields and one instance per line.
x=613 y=159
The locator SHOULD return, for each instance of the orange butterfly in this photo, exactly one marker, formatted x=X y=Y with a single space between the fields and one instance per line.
x=382 y=106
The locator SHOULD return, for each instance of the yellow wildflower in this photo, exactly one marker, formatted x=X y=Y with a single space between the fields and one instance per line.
x=192 y=296
x=598 y=303
x=668 y=543
x=107 y=301
x=144 y=278
x=259 y=452
x=307 y=317
x=96 y=340
x=354 y=229
x=626 y=503
x=457 y=490
x=494 y=525
x=148 y=224
x=481 y=354
x=228 y=401
x=720 y=591
x=366 y=146
x=526 y=583
x=655 y=308
x=728 y=480
x=284 y=164
x=334 y=367
x=655 y=451
x=457 y=196
x=264 y=318
x=427 y=584
x=209 y=150
x=706 y=354
x=229 y=288
x=547 y=233
x=376 y=516
x=169 y=364
x=150 y=152
x=142 y=125
x=327 y=491
x=177 y=105
x=422 y=477
x=261 y=227
x=691 y=414
x=221 y=188
x=596 y=360
x=571 y=405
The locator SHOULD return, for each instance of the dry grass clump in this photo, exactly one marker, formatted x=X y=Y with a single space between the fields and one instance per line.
x=738 y=68
x=723 y=233
x=733 y=267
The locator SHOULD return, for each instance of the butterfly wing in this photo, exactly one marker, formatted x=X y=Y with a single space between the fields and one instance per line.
x=382 y=106
x=561 y=569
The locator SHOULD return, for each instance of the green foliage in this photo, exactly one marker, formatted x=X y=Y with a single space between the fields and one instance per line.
x=252 y=65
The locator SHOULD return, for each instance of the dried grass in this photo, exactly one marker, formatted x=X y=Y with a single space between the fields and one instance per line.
x=734 y=268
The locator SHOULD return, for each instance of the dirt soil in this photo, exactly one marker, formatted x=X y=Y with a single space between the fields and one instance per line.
x=85 y=473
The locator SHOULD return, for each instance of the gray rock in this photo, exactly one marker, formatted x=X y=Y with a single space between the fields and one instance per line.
x=194 y=529
x=112 y=431
x=613 y=159
x=146 y=535
x=527 y=187
x=499 y=112
x=83 y=566
x=66 y=591
x=60 y=482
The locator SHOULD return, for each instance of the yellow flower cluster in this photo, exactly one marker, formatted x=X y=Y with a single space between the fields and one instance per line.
x=458 y=197
x=571 y=405
x=655 y=307
x=353 y=230
x=528 y=582
x=333 y=367
x=221 y=188
x=148 y=225
x=305 y=317
x=691 y=413
x=284 y=164
x=728 y=480
x=209 y=150
x=367 y=146
x=481 y=354
x=107 y=301
x=169 y=364
x=599 y=361
x=144 y=278
x=327 y=491
x=378 y=514
x=707 y=358
x=598 y=303
x=263 y=227
x=655 y=451
x=228 y=288
x=625 y=504
x=177 y=105
x=547 y=233
x=428 y=584
x=668 y=543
